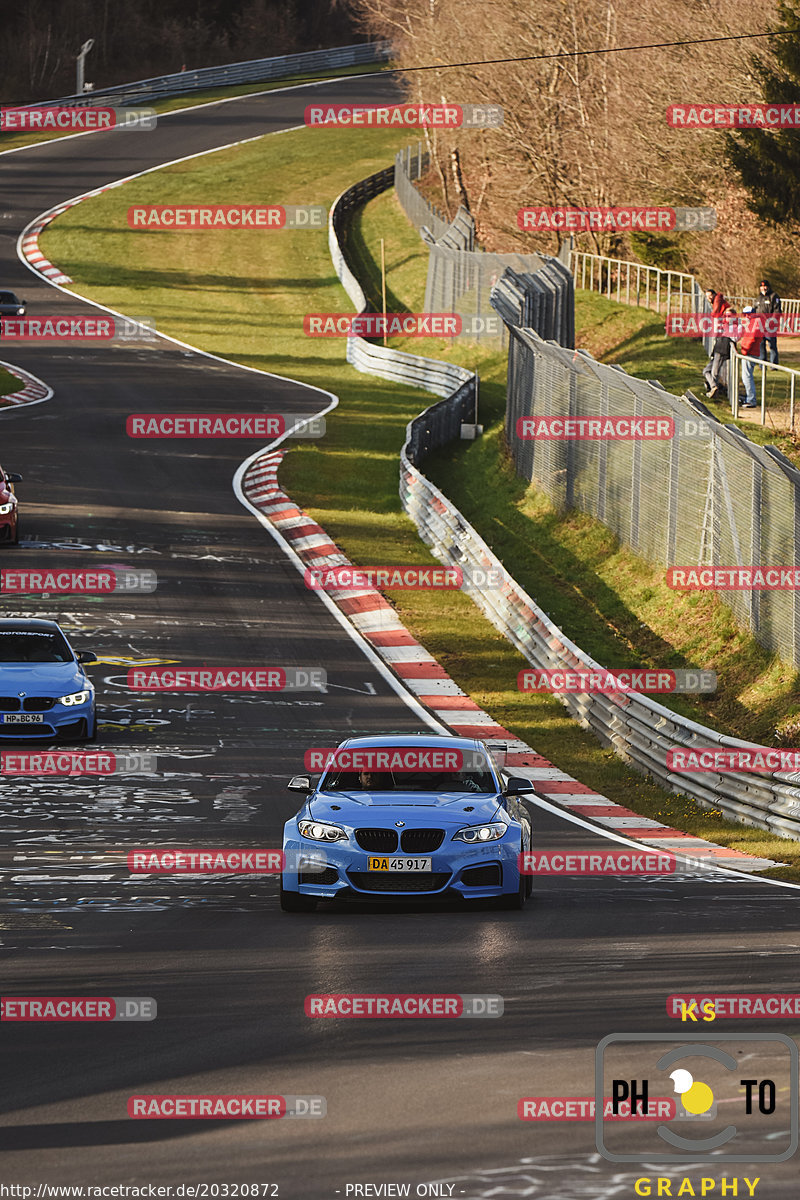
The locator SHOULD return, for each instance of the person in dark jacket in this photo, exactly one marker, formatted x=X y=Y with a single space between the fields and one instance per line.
x=768 y=302
x=715 y=372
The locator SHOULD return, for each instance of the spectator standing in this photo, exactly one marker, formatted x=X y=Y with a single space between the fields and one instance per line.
x=716 y=370
x=750 y=349
x=768 y=302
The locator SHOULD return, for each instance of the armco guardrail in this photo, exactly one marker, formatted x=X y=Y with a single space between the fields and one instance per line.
x=637 y=728
x=257 y=70
x=433 y=376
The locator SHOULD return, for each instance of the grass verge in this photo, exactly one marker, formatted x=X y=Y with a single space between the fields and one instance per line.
x=8 y=383
x=242 y=294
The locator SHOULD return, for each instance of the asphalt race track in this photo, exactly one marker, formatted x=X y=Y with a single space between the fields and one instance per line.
x=408 y=1101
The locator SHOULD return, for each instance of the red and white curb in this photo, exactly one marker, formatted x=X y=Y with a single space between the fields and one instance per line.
x=378 y=624
x=34 y=391
x=29 y=238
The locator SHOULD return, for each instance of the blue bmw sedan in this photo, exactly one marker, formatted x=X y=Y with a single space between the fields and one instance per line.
x=44 y=690
x=402 y=817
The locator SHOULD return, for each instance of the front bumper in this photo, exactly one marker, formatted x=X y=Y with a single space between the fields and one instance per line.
x=452 y=872
x=60 y=721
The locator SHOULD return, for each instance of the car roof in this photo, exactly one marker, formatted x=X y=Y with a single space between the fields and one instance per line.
x=29 y=625
x=435 y=741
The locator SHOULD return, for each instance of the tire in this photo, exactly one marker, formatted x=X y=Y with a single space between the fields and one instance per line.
x=515 y=902
x=91 y=734
x=294 y=902
x=15 y=539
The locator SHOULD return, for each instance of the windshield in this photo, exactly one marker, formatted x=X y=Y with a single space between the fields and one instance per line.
x=409 y=781
x=8 y=298
x=33 y=646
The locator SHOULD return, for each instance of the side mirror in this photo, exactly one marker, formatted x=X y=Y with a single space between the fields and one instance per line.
x=300 y=783
x=13 y=477
x=86 y=656
x=517 y=786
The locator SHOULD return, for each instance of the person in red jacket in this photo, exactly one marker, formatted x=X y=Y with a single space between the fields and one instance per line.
x=750 y=349
x=717 y=301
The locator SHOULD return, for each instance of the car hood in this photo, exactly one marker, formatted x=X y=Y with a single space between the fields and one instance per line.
x=450 y=806
x=57 y=679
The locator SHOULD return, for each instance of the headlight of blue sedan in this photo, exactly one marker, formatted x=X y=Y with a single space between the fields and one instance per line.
x=319 y=831
x=75 y=698
x=480 y=833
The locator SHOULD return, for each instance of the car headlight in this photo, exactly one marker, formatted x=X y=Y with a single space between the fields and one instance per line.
x=319 y=831
x=75 y=698
x=480 y=833
x=7 y=508
x=20 y=312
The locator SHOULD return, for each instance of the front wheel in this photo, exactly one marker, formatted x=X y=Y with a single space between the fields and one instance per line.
x=295 y=902
x=516 y=900
x=90 y=725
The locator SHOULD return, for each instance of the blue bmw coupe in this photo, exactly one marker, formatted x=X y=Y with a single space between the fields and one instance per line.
x=402 y=817
x=44 y=690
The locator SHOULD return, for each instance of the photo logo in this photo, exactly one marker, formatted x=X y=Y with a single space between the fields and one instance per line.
x=676 y=220
x=754 y=1112
x=599 y=429
x=227 y=679
x=598 y=681
x=188 y=217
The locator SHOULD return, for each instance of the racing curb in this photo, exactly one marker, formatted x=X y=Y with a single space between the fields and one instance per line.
x=377 y=622
x=29 y=239
x=34 y=391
